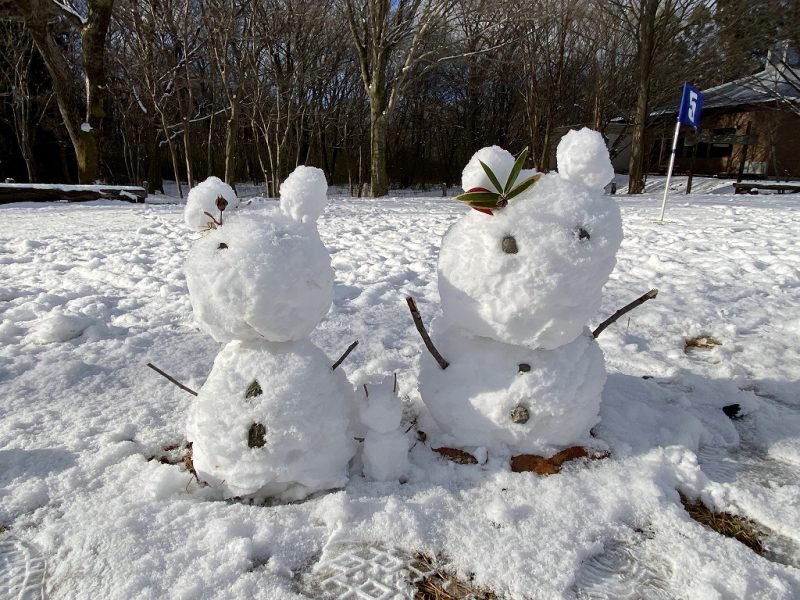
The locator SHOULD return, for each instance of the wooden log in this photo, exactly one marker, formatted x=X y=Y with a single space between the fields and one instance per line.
x=744 y=188
x=40 y=192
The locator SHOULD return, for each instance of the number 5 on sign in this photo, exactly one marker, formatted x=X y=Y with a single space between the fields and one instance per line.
x=691 y=103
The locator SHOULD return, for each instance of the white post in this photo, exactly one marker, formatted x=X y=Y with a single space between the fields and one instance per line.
x=671 y=164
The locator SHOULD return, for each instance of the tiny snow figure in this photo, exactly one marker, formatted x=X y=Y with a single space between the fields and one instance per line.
x=517 y=286
x=273 y=418
x=385 y=452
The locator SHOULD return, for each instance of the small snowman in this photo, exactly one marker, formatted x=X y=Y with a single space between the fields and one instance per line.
x=519 y=277
x=273 y=419
x=385 y=451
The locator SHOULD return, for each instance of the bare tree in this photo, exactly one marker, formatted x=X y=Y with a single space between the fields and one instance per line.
x=45 y=19
x=655 y=25
x=389 y=38
x=16 y=57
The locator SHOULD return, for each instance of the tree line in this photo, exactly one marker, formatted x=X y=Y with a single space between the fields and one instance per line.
x=382 y=92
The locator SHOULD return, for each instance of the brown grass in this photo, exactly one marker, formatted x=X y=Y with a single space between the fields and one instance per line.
x=441 y=585
x=701 y=342
x=729 y=525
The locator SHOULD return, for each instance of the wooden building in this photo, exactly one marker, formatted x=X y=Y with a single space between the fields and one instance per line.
x=749 y=126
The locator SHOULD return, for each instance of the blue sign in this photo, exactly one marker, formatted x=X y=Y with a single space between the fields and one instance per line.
x=691 y=103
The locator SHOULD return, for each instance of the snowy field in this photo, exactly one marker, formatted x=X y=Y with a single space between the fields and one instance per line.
x=90 y=293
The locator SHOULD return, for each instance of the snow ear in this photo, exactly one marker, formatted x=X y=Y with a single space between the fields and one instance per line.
x=304 y=194
x=582 y=157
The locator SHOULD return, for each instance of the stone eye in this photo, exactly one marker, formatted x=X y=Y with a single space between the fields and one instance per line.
x=256 y=436
x=520 y=415
x=253 y=390
x=583 y=234
x=509 y=245
x=222 y=246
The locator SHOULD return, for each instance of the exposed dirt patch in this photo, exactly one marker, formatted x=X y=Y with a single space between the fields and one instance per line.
x=550 y=466
x=729 y=525
x=441 y=585
x=457 y=456
x=701 y=342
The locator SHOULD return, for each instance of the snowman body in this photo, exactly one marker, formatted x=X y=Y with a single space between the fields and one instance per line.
x=517 y=289
x=385 y=451
x=272 y=419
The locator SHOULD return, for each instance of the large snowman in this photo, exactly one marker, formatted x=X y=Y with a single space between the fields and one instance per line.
x=518 y=283
x=272 y=419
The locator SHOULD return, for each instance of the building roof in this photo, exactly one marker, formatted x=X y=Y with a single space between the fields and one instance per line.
x=780 y=80
x=773 y=83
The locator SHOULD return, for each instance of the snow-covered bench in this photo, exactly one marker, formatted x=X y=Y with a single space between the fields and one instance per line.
x=781 y=188
x=49 y=192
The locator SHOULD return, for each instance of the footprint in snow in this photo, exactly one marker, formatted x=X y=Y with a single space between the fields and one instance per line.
x=22 y=568
x=620 y=571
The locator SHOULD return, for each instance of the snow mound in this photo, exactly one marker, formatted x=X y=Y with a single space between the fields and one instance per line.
x=203 y=199
x=59 y=328
x=260 y=277
x=532 y=274
x=500 y=161
x=272 y=420
x=583 y=157
x=304 y=194
x=498 y=395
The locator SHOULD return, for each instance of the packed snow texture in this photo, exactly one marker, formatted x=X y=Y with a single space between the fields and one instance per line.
x=553 y=394
x=385 y=450
x=582 y=157
x=259 y=276
x=565 y=238
x=306 y=411
x=202 y=202
x=500 y=162
x=85 y=426
x=59 y=328
x=304 y=194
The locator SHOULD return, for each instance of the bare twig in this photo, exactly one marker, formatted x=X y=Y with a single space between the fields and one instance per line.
x=172 y=379
x=412 y=306
x=347 y=352
x=628 y=307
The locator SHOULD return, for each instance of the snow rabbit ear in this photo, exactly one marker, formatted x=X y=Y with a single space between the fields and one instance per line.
x=583 y=158
x=304 y=194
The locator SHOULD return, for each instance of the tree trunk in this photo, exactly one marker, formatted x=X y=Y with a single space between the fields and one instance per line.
x=230 y=143
x=93 y=39
x=379 y=180
x=84 y=135
x=636 y=166
x=154 y=180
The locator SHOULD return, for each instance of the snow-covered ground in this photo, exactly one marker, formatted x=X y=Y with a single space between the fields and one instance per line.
x=90 y=293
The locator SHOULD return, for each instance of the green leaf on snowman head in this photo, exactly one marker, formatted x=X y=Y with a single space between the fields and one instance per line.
x=492 y=177
x=523 y=186
x=482 y=199
x=515 y=170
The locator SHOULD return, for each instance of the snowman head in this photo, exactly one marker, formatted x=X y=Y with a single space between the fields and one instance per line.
x=209 y=203
x=531 y=273
x=265 y=276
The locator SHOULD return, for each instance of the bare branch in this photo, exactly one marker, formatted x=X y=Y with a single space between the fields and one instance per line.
x=342 y=358
x=171 y=379
x=627 y=308
x=412 y=306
